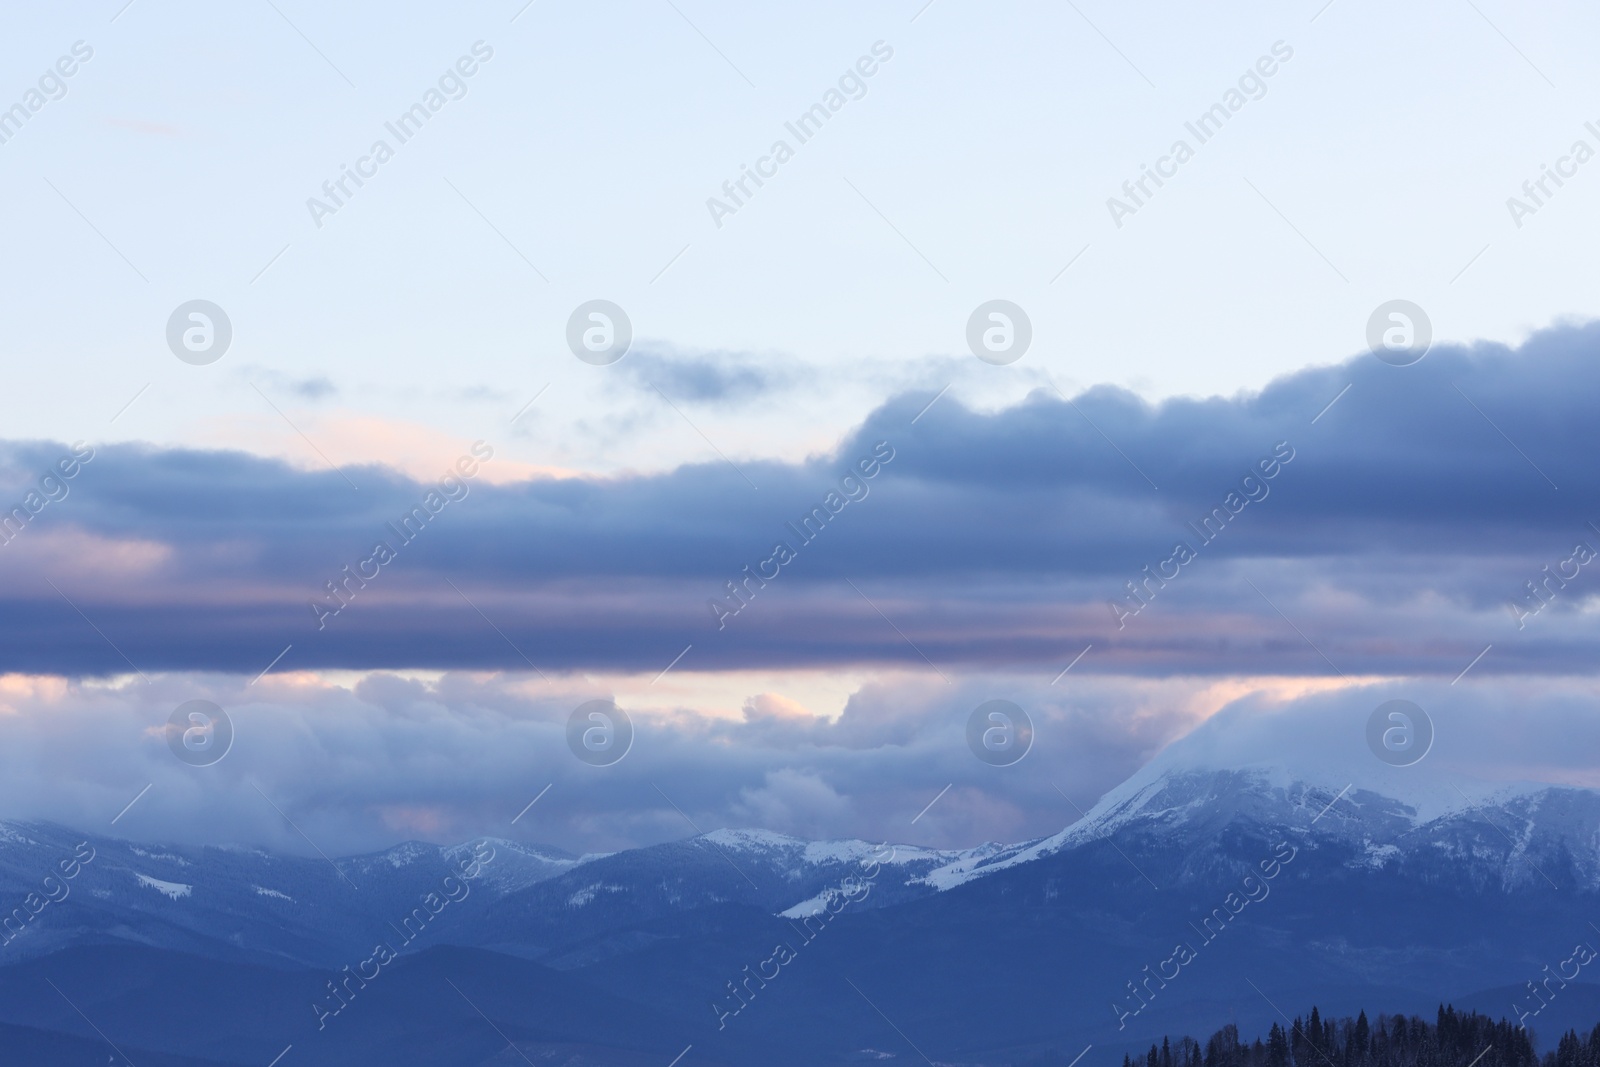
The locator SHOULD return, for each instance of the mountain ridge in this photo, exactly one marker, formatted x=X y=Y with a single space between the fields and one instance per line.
x=1277 y=877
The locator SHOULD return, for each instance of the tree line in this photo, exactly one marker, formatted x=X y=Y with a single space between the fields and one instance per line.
x=1454 y=1039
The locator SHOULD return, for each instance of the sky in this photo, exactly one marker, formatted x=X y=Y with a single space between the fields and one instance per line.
x=1195 y=486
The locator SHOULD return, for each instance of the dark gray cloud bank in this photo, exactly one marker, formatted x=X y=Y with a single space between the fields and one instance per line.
x=1410 y=515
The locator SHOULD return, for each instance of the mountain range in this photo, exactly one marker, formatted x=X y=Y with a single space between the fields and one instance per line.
x=1260 y=861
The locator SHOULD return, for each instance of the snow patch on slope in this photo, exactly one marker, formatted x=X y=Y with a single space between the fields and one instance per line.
x=175 y=890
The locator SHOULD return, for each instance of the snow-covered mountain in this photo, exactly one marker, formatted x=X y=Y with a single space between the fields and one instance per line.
x=1314 y=779
x=238 y=903
x=1290 y=861
x=1307 y=779
x=252 y=904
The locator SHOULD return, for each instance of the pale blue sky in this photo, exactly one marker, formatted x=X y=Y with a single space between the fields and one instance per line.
x=594 y=136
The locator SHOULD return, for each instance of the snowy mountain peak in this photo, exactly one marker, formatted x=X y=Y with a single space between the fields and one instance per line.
x=1309 y=753
x=750 y=839
x=1313 y=775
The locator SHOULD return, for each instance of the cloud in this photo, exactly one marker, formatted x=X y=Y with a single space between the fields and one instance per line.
x=313 y=388
x=795 y=799
x=368 y=760
x=371 y=760
x=705 y=379
x=1394 y=531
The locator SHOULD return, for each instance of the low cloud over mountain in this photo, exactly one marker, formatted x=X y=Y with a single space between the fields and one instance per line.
x=367 y=762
